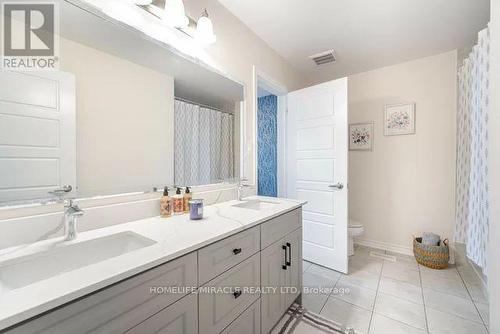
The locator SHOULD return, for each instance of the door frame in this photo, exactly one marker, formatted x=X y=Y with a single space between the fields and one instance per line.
x=267 y=82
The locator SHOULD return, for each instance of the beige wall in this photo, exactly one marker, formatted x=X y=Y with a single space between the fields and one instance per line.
x=124 y=120
x=236 y=51
x=494 y=170
x=406 y=185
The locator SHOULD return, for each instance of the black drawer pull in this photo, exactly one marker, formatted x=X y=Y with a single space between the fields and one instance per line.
x=289 y=262
x=284 y=266
x=236 y=251
x=236 y=294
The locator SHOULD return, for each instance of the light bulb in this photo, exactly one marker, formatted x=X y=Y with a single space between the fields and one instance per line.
x=205 y=29
x=174 y=14
x=141 y=2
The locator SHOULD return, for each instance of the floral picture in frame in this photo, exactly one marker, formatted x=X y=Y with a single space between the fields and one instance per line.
x=361 y=137
x=399 y=119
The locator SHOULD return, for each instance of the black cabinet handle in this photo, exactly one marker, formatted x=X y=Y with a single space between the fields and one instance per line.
x=284 y=266
x=236 y=251
x=289 y=262
x=236 y=294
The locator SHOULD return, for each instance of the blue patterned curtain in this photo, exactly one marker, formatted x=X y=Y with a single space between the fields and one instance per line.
x=472 y=213
x=267 y=166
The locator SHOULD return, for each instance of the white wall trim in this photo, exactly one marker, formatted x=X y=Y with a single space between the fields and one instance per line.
x=386 y=246
x=261 y=79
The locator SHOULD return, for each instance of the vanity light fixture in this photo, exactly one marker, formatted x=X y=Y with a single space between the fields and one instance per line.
x=205 y=29
x=141 y=2
x=174 y=14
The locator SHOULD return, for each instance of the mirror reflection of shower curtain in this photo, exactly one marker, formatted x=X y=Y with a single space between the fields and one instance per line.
x=472 y=204
x=204 y=152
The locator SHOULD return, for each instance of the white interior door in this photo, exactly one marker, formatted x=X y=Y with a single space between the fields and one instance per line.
x=37 y=134
x=317 y=169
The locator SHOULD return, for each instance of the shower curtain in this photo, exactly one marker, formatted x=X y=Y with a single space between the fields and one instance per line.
x=204 y=145
x=472 y=206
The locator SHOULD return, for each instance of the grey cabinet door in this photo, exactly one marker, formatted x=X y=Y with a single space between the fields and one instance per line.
x=218 y=307
x=293 y=241
x=247 y=323
x=119 y=307
x=273 y=275
x=179 y=318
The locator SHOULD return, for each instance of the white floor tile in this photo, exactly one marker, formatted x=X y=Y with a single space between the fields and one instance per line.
x=305 y=265
x=357 y=295
x=347 y=314
x=363 y=264
x=315 y=282
x=450 y=272
x=401 y=310
x=325 y=272
x=362 y=278
x=314 y=302
x=484 y=311
x=401 y=289
x=462 y=307
x=444 y=323
x=478 y=293
x=402 y=257
x=384 y=325
x=452 y=286
x=401 y=273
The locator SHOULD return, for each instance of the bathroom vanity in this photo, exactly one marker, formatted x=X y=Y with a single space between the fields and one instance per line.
x=165 y=276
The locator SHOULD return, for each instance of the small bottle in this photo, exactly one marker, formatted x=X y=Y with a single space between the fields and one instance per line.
x=187 y=197
x=178 y=202
x=165 y=204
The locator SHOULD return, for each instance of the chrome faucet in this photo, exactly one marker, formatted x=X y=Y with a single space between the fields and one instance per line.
x=241 y=185
x=71 y=214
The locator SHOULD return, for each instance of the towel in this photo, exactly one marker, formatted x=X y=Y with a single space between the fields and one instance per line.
x=430 y=239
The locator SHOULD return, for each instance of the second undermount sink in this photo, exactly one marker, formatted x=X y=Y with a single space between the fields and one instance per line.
x=26 y=270
x=255 y=204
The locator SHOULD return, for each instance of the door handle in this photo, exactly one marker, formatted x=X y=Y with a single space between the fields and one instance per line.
x=338 y=186
x=289 y=261
x=284 y=266
x=61 y=191
x=236 y=251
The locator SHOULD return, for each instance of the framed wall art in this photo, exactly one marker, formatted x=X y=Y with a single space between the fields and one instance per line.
x=361 y=137
x=399 y=119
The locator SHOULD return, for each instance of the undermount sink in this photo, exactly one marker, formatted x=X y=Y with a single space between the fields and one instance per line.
x=26 y=270
x=255 y=204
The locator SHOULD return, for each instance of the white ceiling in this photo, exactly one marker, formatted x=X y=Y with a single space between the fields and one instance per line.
x=365 y=34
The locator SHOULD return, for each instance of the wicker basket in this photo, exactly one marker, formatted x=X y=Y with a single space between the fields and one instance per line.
x=435 y=257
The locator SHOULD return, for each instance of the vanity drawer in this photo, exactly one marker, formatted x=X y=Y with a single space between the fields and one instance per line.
x=119 y=307
x=225 y=254
x=276 y=228
x=179 y=318
x=247 y=323
x=217 y=310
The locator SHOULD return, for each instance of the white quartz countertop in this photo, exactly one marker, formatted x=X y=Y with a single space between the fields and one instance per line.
x=174 y=237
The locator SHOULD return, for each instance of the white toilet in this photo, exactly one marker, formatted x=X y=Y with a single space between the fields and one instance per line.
x=355 y=229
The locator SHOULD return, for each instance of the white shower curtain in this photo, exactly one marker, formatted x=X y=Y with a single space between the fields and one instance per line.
x=472 y=207
x=204 y=145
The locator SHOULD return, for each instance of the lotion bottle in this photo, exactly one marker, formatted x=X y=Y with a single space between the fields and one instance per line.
x=178 y=202
x=165 y=204
x=187 y=197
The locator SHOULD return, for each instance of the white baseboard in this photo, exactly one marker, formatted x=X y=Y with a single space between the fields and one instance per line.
x=385 y=246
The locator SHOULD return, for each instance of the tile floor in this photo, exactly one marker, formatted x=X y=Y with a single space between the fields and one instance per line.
x=400 y=296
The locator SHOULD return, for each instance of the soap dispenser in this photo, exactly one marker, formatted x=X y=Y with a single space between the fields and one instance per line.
x=165 y=204
x=178 y=202
x=187 y=197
